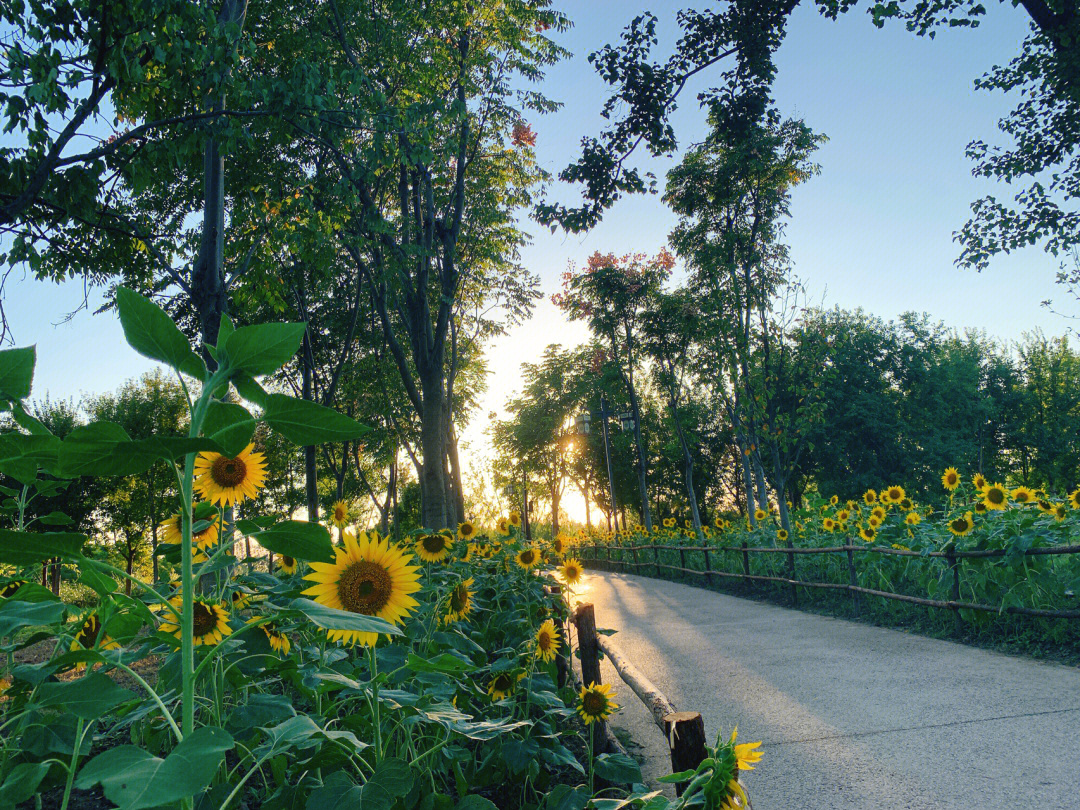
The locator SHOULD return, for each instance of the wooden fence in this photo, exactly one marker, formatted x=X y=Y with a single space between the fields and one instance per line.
x=954 y=560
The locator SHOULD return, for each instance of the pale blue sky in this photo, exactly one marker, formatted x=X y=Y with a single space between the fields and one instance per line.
x=874 y=230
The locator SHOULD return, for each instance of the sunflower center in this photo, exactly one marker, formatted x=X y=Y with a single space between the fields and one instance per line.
x=594 y=704
x=289 y=561
x=959 y=524
x=228 y=472
x=543 y=641
x=203 y=620
x=995 y=496
x=459 y=598
x=88 y=633
x=365 y=587
x=503 y=683
x=434 y=543
x=528 y=556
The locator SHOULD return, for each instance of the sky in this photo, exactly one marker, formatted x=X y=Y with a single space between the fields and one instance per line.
x=874 y=230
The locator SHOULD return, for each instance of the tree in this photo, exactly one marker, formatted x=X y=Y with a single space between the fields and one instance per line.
x=732 y=195
x=672 y=326
x=135 y=506
x=743 y=36
x=612 y=295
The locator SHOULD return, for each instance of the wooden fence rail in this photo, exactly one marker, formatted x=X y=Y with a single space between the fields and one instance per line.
x=953 y=560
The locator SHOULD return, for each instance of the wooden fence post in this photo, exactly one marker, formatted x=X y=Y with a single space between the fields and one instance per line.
x=853 y=578
x=634 y=549
x=585 y=621
x=745 y=563
x=656 y=556
x=708 y=567
x=954 y=564
x=686 y=736
x=682 y=556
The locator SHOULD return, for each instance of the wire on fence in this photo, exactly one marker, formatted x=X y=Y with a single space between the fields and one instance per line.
x=953 y=559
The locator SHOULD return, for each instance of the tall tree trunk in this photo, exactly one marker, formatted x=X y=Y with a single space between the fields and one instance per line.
x=455 y=471
x=642 y=467
x=311 y=481
x=588 y=514
x=556 y=497
x=433 y=493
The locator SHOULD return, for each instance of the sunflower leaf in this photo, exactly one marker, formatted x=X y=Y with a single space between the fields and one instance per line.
x=331 y=619
x=152 y=333
x=16 y=373
x=260 y=350
x=298 y=539
x=229 y=425
x=303 y=422
x=27 y=548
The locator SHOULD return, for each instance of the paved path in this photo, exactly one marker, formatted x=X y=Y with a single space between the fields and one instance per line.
x=851 y=716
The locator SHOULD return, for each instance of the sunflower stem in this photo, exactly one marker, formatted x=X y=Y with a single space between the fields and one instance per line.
x=376 y=715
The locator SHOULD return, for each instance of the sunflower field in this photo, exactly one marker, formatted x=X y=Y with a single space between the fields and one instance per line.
x=431 y=671
x=899 y=546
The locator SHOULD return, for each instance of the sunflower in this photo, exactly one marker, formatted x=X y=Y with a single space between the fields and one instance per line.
x=503 y=684
x=962 y=525
x=559 y=545
x=203 y=540
x=828 y=524
x=834 y=500
x=515 y=519
x=595 y=703
x=718 y=522
x=746 y=754
x=760 y=515
x=1045 y=506
x=874 y=521
x=1060 y=511
x=950 y=479
x=209 y=619
x=527 y=557
x=571 y=571
x=870 y=497
x=433 y=548
x=878 y=512
x=1023 y=495
x=279 y=642
x=227 y=481
x=286 y=564
x=502 y=526
x=868 y=534
x=11 y=588
x=547 y=641
x=485 y=551
x=459 y=601
x=339 y=514
x=980 y=508
x=907 y=504
x=466 y=530
x=893 y=494
x=669 y=523
x=782 y=535
x=90 y=635
x=1074 y=498
x=241 y=599
x=843 y=515
x=978 y=480
x=912 y=519
x=371 y=577
x=995 y=496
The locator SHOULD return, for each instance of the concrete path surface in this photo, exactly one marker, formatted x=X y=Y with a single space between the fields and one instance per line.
x=850 y=715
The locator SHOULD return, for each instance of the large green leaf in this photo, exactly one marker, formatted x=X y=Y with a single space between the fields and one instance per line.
x=298 y=539
x=133 y=779
x=22 y=783
x=618 y=769
x=331 y=619
x=103 y=449
x=16 y=614
x=27 y=548
x=304 y=422
x=88 y=697
x=152 y=333
x=263 y=349
x=231 y=426
x=16 y=373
